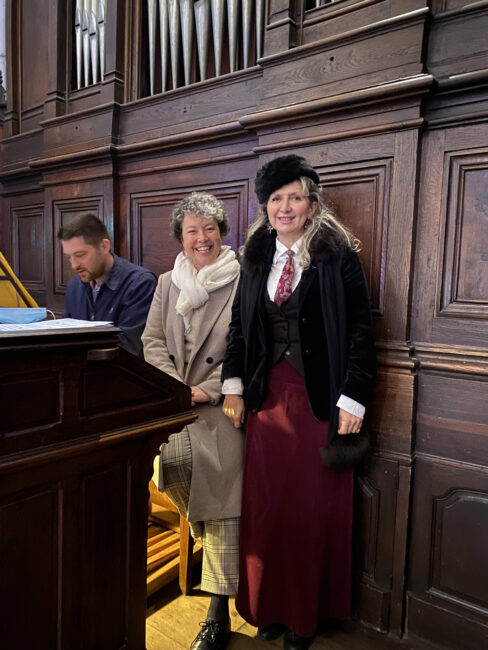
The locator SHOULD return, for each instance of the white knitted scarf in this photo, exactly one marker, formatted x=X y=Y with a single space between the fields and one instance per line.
x=195 y=286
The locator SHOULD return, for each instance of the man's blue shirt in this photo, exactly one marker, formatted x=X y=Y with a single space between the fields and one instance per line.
x=124 y=299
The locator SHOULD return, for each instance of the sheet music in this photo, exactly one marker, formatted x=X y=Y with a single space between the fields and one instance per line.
x=60 y=323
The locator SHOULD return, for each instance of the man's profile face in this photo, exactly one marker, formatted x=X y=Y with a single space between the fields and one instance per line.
x=89 y=261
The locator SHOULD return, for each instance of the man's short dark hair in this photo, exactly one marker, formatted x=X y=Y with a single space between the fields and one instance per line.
x=86 y=225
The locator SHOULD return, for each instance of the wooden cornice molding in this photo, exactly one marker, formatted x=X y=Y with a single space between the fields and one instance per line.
x=397 y=355
x=346 y=38
x=387 y=127
x=470 y=8
x=417 y=85
x=62 y=160
x=181 y=139
x=449 y=358
x=330 y=11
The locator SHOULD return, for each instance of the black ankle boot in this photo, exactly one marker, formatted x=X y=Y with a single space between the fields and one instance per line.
x=272 y=631
x=293 y=641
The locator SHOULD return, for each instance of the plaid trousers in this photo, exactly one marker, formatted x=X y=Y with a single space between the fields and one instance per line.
x=220 y=537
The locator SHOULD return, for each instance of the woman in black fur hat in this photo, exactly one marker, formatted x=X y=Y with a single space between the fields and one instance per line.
x=300 y=364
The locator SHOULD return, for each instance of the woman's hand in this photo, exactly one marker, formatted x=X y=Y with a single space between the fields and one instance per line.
x=198 y=396
x=234 y=409
x=348 y=423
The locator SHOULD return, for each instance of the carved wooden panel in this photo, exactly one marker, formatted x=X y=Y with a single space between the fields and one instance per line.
x=34 y=48
x=108 y=486
x=452 y=416
x=463 y=280
x=64 y=211
x=467 y=577
x=457 y=41
x=24 y=515
x=447 y=597
x=28 y=245
x=360 y=192
x=375 y=515
x=154 y=247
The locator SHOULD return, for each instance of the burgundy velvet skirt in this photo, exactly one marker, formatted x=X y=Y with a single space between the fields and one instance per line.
x=296 y=521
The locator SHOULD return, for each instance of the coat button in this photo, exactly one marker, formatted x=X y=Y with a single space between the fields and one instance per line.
x=172 y=357
x=305 y=320
x=209 y=359
x=308 y=353
x=288 y=353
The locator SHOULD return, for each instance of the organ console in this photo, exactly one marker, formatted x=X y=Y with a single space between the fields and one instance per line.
x=81 y=422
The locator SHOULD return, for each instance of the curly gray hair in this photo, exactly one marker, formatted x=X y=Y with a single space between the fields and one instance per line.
x=202 y=205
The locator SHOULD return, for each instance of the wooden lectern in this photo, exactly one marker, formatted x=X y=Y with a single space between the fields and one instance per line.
x=81 y=422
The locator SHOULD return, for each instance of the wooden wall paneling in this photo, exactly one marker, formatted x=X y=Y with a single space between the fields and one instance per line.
x=337 y=18
x=182 y=113
x=34 y=53
x=379 y=531
x=457 y=39
x=23 y=222
x=281 y=31
x=41 y=508
x=345 y=62
x=58 y=19
x=447 y=599
x=452 y=414
x=13 y=62
x=463 y=269
x=451 y=281
x=150 y=187
x=28 y=247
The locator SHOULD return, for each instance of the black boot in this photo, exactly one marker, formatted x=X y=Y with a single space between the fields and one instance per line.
x=272 y=631
x=293 y=641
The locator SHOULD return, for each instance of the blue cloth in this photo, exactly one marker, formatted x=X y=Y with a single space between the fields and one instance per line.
x=124 y=299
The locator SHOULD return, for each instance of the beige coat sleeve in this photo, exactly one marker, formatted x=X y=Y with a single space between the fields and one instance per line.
x=154 y=335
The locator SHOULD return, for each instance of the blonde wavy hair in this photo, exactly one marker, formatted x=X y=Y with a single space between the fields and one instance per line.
x=322 y=221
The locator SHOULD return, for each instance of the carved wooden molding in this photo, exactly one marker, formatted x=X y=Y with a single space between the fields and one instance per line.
x=346 y=38
x=370 y=512
x=417 y=85
x=371 y=182
x=462 y=287
x=448 y=358
x=451 y=511
x=28 y=246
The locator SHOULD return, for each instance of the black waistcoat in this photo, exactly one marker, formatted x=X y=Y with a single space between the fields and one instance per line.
x=283 y=334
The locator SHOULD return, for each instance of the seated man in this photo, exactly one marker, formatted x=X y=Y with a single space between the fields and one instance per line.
x=105 y=287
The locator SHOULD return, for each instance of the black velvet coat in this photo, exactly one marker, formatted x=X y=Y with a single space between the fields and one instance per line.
x=336 y=336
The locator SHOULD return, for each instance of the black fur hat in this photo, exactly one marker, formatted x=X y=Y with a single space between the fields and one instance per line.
x=281 y=171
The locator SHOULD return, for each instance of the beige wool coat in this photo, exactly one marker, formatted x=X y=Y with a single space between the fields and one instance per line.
x=217 y=446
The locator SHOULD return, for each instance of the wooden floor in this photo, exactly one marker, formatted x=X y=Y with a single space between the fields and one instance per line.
x=172 y=624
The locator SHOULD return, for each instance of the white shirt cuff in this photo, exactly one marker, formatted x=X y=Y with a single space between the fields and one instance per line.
x=232 y=386
x=351 y=406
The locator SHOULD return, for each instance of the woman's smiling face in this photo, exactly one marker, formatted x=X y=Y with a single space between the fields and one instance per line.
x=288 y=210
x=200 y=237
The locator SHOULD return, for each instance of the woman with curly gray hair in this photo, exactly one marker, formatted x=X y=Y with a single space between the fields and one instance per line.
x=200 y=468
